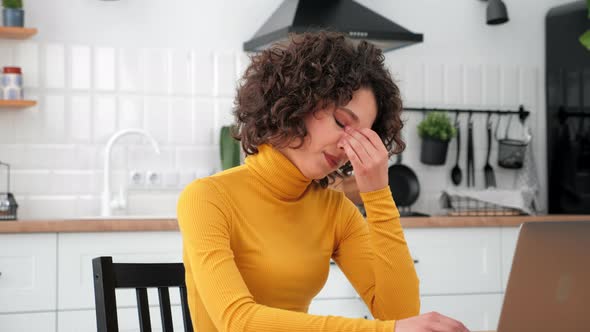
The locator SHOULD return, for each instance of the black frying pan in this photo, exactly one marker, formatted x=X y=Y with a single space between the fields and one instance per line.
x=403 y=183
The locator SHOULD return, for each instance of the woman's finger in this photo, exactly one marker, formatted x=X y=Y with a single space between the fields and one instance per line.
x=359 y=141
x=351 y=154
x=359 y=149
x=374 y=138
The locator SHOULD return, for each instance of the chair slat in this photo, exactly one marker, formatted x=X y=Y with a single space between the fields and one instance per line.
x=165 y=311
x=186 y=316
x=143 y=310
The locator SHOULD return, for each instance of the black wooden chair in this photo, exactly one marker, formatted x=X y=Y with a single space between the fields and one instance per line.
x=108 y=276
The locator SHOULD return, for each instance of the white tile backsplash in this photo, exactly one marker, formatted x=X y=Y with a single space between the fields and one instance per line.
x=104 y=68
x=156 y=69
x=510 y=86
x=80 y=117
x=453 y=86
x=27 y=57
x=130 y=113
x=225 y=78
x=182 y=97
x=54 y=119
x=104 y=117
x=80 y=67
x=491 y=85
x=181 y=121
x=203 y=73
x=181 y=72
x=156 y=117
x=130 y=71
x=55 y=66
x=434 y=92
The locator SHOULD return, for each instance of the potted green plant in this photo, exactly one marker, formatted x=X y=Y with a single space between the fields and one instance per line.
x=585 y=37
x=13 y=14
x=436 y=130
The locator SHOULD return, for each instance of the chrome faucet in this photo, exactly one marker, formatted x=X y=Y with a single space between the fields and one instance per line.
x=106 y=203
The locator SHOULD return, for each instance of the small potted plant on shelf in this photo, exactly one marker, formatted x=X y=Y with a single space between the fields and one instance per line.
x=436 y=130
x=13 y=14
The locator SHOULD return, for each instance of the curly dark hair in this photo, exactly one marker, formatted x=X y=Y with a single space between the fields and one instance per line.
x=285 y=83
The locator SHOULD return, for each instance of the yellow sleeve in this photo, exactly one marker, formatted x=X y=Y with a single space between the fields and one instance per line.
x=374 y=256
x=205 y=223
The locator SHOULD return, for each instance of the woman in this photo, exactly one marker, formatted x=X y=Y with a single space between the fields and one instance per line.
x=258 y=238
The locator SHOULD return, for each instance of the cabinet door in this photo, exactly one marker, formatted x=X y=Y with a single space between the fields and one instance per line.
x=337 y=286
x=85 y=320
x=352 y=308
x=477 y=312
x=38 y=322
x=76 y=251
x=456 y=260
x=27 y=272
x=509 y=238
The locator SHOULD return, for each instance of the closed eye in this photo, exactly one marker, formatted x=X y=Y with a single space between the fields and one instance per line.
x=338 y=123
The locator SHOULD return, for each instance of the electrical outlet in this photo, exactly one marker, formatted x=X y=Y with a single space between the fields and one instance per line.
x=153 y=179
x=136 y=179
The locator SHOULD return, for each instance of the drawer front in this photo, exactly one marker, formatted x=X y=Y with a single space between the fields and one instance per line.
x=456 y=260
x=352 y=308
x=27 y=272
x=477 y=312
x=509 y=238
x=337 y=286
x=76 y=251
x=38 y=322
x=85 y=320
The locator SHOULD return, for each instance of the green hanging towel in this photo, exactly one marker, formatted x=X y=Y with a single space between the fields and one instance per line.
x=229 y=149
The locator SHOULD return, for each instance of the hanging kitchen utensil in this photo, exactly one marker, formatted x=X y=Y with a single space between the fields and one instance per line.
x=404 y=185
x=456 y=174
x=511 y=152
x=470 y=157
x=489 y=176
x=8 y=205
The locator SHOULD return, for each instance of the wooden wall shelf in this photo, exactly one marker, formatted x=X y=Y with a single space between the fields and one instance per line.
x=17 y=103
x=16 y=32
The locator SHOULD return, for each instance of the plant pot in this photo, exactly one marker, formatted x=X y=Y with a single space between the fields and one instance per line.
x=433 y=151
x=13 y=17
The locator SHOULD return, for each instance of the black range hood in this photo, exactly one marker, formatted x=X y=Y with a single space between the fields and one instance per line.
x=347 y=16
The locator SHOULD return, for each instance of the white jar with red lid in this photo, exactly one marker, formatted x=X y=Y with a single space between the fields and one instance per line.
x=12 y=83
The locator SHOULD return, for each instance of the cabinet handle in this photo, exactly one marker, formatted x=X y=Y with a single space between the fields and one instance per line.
x=416 y=261
x=332 y=263
x=0 y=274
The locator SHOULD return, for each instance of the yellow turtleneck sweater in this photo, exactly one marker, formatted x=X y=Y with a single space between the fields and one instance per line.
x=258 y=239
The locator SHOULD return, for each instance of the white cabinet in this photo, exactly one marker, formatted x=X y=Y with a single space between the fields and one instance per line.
x=509 y=238
x=27 y=272
x=85 y=320
x=76 y=251
x=456 y=260
x=478 y=312
x=460 y=271
x=37 y=322
x=337 y=286
x=352 y=308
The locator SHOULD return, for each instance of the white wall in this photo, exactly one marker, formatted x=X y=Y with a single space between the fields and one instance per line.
x=170 y=67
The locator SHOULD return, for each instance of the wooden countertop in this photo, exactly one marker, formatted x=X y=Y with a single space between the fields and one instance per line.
x=139 y=225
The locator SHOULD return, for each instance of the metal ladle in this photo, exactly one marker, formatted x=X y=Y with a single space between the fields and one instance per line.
x=456 y=173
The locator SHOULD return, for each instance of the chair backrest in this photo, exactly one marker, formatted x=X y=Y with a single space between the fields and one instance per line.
x=108 y=276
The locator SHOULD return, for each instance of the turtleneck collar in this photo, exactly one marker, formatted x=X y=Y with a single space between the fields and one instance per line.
x=278 y=173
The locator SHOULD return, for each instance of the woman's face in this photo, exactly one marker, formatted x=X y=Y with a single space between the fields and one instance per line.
x=320 y=155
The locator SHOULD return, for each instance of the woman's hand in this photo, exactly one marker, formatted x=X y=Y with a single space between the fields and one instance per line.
x=368 y=157
x=429 y=322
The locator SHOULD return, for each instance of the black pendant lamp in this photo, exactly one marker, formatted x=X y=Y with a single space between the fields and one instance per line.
x=496 y=12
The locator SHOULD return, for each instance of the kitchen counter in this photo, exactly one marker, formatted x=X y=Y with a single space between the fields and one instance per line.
x=164 y=224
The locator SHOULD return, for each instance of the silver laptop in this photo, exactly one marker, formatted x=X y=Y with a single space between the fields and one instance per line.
x=549 y=284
